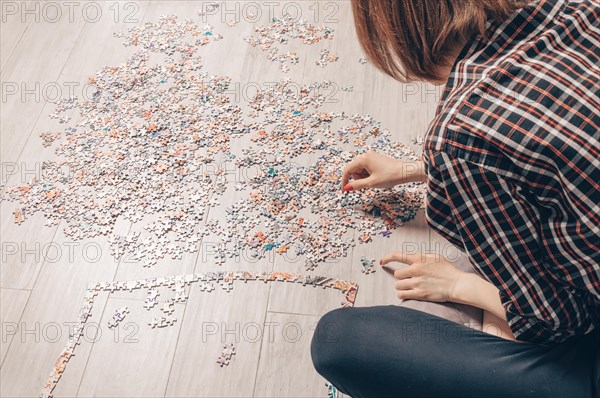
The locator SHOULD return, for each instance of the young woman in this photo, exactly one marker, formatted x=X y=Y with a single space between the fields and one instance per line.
x=512 y=165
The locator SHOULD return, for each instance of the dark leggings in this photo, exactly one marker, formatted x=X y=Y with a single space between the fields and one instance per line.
x=390 y=351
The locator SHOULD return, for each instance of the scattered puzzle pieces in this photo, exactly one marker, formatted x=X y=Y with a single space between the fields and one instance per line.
x=205 y=283
x=142 y=154
x=326 y=58
x=281 y=31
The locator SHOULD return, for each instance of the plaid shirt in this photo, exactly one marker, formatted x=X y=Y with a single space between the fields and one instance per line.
x=513 y=164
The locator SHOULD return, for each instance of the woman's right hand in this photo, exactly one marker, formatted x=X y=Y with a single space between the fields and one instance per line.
x=374 y=170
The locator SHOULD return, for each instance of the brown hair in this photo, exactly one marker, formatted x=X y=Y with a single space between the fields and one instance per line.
x=411 y=39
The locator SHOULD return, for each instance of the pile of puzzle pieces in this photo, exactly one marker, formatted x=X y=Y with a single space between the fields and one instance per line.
x=128 y=158
x=205 y=281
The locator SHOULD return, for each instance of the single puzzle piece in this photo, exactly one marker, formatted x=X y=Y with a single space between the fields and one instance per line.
x=118 y=316
x=120 y=313
x=19 y=217
x=368 y=265
x=179 y=286
x=332 y=392
x=130 y=285
x=180 y=296
x=228 y=286
x=226 y=354
x=162 y=322
x=350 y=296
x=114 y=286
x=167 y=307
x=151 y=299
x=206 y=287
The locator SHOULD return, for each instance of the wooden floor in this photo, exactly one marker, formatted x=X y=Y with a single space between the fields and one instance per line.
x=41 y=296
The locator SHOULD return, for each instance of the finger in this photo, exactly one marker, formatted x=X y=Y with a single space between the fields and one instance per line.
x=401 y=257
x=360 y=174
x=404 y=273
x=412 y=294
x=350 y=168
x=346 y=173
x=363 y=183
x=388 y=269
x=405 y=284
x=345 y=177
x=399 y=273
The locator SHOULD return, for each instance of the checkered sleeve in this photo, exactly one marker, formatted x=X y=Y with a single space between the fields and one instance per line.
x=499 y=226
x=438 y=212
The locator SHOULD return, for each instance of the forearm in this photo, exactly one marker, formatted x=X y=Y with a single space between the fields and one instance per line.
x=496 y=326
x=470 y=289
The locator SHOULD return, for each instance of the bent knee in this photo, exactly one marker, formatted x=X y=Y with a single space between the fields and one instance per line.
x=329 y=347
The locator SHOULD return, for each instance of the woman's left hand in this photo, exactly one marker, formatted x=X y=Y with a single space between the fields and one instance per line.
x=428 y=277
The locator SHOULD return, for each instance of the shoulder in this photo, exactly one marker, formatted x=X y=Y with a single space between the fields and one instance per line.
x=529 y=96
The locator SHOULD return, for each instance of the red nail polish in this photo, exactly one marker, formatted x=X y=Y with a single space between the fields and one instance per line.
x=348 y=188
x=380 y=262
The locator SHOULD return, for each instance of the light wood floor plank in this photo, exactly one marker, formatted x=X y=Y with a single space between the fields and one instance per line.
x=212 y=320
x=12 y=303
x=12 y=28
x=32 y=71
x=138 y=356
x=96 y=46
x=54 y=302
x=285 y=368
